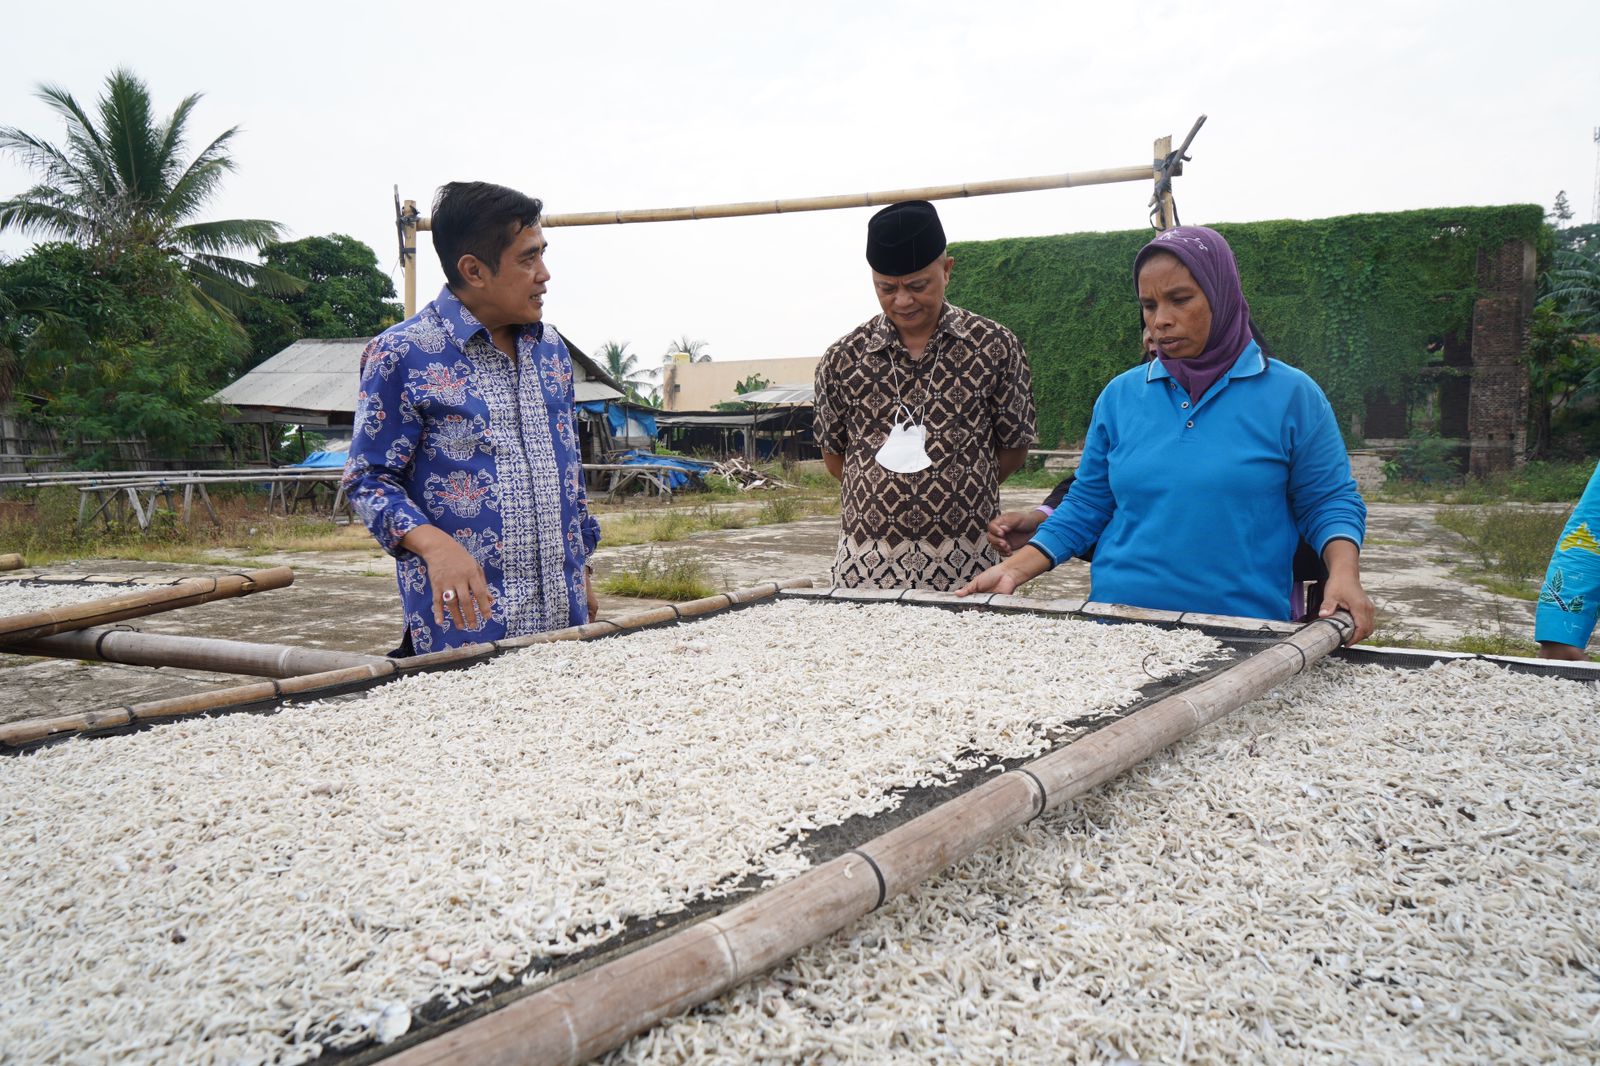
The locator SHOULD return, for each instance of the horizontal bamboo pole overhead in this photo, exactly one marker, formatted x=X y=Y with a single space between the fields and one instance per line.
x=193 y=653
x=1140 y=172
x=587 y=1015
x=185 y=593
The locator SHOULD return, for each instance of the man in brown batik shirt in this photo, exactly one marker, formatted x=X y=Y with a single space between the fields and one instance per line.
x=914 y=512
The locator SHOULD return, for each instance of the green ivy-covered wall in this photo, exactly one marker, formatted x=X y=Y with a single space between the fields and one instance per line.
x=1353 y=301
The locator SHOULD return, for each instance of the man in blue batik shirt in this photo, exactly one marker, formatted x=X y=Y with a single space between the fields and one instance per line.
x=465 y=462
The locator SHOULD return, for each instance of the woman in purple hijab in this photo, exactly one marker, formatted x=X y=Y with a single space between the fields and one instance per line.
x=1204 y=467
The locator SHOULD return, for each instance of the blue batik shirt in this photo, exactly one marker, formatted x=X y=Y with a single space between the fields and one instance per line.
x=451 y=432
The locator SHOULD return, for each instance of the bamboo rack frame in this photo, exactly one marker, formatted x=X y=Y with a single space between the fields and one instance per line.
x=186 y=593
x=29 y=732
x=408 y=220
x=11 y=561
x=194 y=653
x=589 y=1014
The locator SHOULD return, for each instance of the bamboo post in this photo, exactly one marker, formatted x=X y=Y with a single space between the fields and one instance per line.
x=194 y=653
x=587 y=1015
x=185 y=593
x=408 y=222
x=1162 y=148
x=11 y=561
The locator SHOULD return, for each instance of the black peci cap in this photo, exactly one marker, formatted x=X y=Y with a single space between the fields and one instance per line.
x=905 y=237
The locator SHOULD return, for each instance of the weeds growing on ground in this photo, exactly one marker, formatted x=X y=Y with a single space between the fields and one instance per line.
x=1535 y=482
x=1511 y=542
x=42 y=525
x=673 y=576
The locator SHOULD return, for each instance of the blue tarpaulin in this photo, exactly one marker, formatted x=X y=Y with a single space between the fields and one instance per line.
x=618 y=417
x=323 y=460
x=683 y=470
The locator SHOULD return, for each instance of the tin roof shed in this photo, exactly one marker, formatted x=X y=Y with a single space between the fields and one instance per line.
x=314 y=383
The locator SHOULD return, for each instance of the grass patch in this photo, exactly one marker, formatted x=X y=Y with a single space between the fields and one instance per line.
x=1535 y=482
x=674 y=576
x=779 y=509
x=42 y=525
x=1036 y=479
x=1481 y=642
x=1513 y=543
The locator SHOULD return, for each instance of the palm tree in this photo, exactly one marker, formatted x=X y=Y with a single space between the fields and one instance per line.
x=624 y=366
x=120 y=181
x=695 y=350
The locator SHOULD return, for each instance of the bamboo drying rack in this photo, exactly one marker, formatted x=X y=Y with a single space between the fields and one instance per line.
x=632 y=985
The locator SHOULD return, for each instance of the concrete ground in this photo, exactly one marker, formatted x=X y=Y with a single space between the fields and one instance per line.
x=346 y=600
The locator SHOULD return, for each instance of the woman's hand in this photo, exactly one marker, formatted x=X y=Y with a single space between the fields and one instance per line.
x=1009 y=531
x=1343 y=589
x=1005 y=577
x=459 y=588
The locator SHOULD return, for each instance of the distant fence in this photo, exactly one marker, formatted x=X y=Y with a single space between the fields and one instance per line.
x=27 y=446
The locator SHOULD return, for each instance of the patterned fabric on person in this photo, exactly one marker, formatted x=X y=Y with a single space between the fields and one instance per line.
x=1569 y=599
x=452 y=432
x=972 y=389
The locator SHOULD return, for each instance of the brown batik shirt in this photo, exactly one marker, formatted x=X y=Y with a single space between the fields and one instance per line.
x=972 y=390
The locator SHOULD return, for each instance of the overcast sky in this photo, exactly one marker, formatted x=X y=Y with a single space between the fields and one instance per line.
x=1315 y=110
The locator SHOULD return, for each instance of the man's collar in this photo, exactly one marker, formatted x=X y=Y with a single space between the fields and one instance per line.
x=459 y=323
x=883 y=335
x=1251 y=362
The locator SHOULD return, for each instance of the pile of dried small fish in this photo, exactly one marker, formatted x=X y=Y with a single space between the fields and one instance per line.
x=254 y=888
x=25 y=597
x=1365 y=866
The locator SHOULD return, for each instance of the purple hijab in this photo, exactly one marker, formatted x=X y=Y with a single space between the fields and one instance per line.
x=1210 y=260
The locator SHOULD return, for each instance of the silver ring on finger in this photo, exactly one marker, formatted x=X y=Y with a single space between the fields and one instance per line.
x=448 y=595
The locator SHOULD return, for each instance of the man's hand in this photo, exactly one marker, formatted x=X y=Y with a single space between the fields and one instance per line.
x=1009 y=531
x=452 y=570
x=1343 y=589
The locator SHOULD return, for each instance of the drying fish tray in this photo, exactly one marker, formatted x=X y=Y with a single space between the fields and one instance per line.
x=1241 y=638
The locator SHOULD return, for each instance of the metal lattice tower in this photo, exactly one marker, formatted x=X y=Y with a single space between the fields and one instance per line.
x=1595 y=212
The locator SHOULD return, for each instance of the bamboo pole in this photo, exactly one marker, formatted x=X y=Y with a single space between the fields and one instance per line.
x=193 y=653
x=589 y=1014
x=1140 y=172
x=185 y=593
x=11 y=561
x=1167 y=215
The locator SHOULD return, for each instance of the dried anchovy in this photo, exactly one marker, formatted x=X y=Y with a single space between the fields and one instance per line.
x=253 y=888
x=1364 y=866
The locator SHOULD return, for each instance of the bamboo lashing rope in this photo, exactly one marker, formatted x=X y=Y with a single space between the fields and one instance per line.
x=587 y=1015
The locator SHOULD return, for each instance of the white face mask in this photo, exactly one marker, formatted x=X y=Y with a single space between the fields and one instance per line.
x=905 y=452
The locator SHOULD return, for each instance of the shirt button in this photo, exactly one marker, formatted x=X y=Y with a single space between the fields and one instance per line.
x=1189 y=424
x=1184 y=405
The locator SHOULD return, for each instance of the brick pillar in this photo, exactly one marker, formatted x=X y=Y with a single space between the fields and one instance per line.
x=1497 y=415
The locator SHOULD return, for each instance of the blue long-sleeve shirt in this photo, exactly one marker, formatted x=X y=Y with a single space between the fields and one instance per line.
x=1569 y=600
x=451 y=432
x=1199 y=506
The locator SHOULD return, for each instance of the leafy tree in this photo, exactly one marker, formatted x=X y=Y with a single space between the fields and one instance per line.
x=346 y=294
x=751 y=383
x=109 y=348
x=120 y=183
x=1561 y=213
x=624 y=366
x=695 y=350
